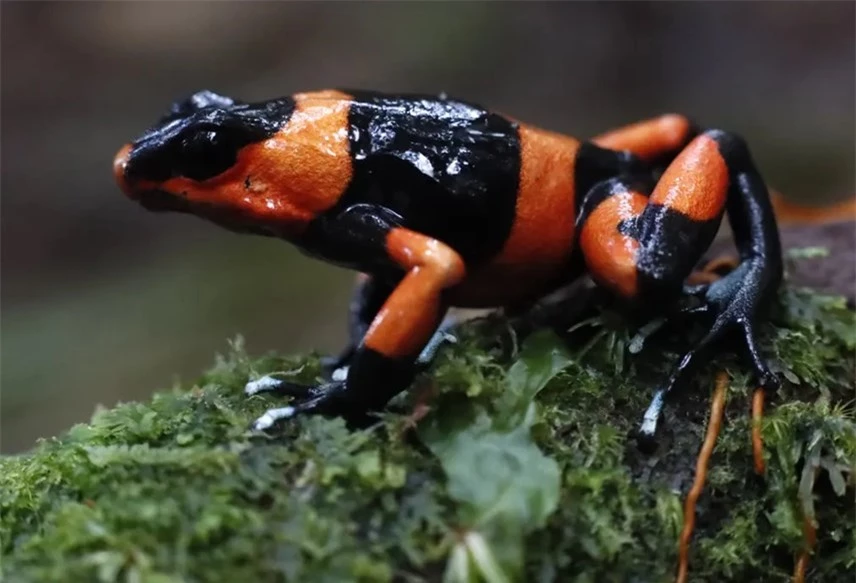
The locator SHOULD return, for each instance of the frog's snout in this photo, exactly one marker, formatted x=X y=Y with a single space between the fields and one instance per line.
x=120 y=165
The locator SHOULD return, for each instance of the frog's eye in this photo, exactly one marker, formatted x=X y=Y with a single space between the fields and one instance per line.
x=205 y=154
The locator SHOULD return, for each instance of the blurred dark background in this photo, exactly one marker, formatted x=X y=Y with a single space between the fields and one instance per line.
x=102 y=301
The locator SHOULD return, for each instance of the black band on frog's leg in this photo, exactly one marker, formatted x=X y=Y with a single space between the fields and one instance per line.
x=735 y=301
x=750 y=210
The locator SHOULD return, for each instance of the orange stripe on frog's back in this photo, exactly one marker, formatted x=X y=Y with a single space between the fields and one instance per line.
x=540 y=244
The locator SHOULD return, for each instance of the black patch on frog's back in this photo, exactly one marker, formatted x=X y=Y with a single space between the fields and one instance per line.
x=449 y=168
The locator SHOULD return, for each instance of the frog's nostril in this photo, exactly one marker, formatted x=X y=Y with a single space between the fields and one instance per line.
x=120 y=164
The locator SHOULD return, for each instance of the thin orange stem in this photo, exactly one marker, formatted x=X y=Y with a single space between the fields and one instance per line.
x=424 y=394
x=757 y=443
x=707 y=274
x=788 y=213
x=717 y=408
x=699 y=277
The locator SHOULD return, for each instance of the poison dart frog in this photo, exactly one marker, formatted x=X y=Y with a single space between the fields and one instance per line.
x=442 y=203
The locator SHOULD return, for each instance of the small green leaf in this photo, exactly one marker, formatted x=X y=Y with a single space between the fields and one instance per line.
x=809 y=475
x=183 y=438
x=836 y=477
x=789 y=374
x=497 y=475
x=542 y=358
x=504 y=485
x=368 y=465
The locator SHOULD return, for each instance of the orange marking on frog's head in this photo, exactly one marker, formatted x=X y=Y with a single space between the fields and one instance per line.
x=268 y=168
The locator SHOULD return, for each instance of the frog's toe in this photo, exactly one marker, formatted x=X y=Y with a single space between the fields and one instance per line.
x=269 y=384
x=764 y=377
x=340 y=374
x=324 y=399
x=331 y=364
x=271 y=417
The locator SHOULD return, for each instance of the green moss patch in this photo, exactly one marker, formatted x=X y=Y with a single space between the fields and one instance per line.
x=524 y=469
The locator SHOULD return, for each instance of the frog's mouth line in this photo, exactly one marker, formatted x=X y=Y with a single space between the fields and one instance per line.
x=161 y=201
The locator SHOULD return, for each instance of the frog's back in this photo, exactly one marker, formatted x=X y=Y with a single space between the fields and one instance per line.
x=449 y=168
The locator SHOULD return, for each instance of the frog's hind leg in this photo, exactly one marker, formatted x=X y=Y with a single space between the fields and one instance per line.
x=656 y=141
x=644 y=249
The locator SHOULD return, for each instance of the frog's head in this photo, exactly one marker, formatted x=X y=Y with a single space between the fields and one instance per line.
x=200 y=156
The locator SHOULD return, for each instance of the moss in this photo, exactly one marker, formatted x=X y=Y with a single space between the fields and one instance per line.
x=491 y=485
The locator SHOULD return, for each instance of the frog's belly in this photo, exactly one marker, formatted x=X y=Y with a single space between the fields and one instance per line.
x=510 y=285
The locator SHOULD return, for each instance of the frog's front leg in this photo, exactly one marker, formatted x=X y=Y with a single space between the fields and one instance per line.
x=385 y=361
x=370 y=294
x=644 y=247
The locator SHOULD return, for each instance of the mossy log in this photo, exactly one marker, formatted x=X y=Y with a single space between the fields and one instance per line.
x=502 y=464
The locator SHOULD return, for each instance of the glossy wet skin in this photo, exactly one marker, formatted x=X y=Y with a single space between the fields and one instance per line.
x=447 y=168
x=443 y=203
x=212 y=157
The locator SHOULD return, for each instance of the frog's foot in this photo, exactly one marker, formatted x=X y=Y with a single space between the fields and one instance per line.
x=731 y=304
x=324 y=399
x=734 y=302
x=340 y=395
